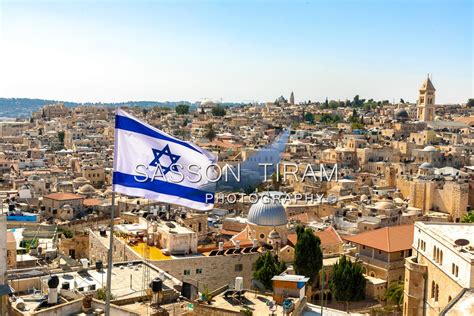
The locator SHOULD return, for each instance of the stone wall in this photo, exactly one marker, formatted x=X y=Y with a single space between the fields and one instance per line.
x=205 y=310
x=214 y=272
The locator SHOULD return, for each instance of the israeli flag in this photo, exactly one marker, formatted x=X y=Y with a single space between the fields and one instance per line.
x=151 y=164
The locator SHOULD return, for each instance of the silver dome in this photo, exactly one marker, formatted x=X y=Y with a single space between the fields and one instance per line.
x=267 y=212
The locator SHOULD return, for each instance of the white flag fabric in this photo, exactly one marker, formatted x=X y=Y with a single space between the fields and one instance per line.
x=151 y=164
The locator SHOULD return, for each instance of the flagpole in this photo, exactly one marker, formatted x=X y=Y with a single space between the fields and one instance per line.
x=110 y=261
x=108 y=291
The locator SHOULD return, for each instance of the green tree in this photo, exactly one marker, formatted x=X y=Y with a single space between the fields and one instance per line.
x=210 y=132
x=309 y=117
x=347 y=281
x=145 y=111
x=354 y=118
x=470 y=103
x=394 y=293
x=102 y=294
x=61 y=137
x=357 y=102
x=308 y=255
x=266 y=267
x=182 y=109
x=357 y=125
x=468 y=218
x=333 y=104
x=218 y=110
x=329 y=118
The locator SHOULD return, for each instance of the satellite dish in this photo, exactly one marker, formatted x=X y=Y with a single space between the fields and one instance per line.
x=462 y=242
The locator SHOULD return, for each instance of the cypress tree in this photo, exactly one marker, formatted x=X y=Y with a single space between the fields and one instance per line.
x=308 y=255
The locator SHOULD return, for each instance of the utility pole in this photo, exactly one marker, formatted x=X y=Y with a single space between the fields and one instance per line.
x=322 y=290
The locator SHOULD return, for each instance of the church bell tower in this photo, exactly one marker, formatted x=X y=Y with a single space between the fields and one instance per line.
x=426 y=101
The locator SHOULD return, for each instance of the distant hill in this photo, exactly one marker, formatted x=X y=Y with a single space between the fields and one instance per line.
x=23 y=107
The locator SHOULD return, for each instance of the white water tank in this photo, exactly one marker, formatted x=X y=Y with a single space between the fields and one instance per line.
x=20 y=304
x=239 y=283
x=237 y=244
x=254 y=243
x=53 y=283
x=85 y=263
x=221 y=245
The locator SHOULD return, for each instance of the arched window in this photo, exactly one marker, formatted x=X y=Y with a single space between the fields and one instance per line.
x=437 y=293
x=433 y=289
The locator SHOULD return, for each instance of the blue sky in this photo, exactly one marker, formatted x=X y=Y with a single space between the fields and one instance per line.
x=235 y=50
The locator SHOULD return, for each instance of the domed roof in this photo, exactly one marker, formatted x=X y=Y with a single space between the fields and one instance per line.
x=426 y=165
x=207 y=103
x=273 y=234
x=267 y=212
x=80 y=180
x=86 y=188
x=34 y=178
x=398 y=200
x=384 y=205
x=66 y=207
x=429 y=148
x=401 y=114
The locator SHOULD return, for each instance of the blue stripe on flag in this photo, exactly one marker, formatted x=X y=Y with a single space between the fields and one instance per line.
x=128 y=124
x=162 y=187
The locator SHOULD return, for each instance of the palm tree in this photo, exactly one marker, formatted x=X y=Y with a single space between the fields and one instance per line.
x=394 y=293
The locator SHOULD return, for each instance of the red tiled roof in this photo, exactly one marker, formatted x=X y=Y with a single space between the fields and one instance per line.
x=92 y=202
x=303 y=217
x=388 y=239
x=229 y=232
x=329 y=236
x=63 y=196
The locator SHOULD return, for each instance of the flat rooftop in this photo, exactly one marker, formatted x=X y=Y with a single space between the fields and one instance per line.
x=451 y=232
x=127 y=279
x=257 y=303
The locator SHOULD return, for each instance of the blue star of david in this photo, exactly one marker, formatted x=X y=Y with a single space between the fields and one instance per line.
x=164 y=152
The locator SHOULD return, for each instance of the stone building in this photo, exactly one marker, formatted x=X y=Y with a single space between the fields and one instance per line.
x=426 y=101
x=382 y=253
x=55 y=203
x=440 y=270
x=265 y=216
x=54 y=111
x=197 y=222
x=212 y=271
x=95 y=174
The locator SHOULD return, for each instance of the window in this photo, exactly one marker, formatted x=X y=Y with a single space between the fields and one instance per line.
x=199 y=271
x=187 y=272
x=238 y=267
x=455 y=270
x=199 y=227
